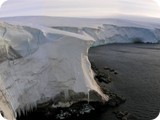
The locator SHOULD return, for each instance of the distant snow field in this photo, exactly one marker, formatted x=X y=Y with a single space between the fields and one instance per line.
x=41 y=57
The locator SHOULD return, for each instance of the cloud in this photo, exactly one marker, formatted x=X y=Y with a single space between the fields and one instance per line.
x=158 y=2
x=2 y=2
x=80 y=8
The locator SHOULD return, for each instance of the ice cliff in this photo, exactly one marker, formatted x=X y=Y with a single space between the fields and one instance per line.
x=38 y=64
x=120 y=34
x=107 y=33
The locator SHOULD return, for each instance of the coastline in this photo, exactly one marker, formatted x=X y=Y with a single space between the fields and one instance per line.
x=85 y=109
x=125 y=72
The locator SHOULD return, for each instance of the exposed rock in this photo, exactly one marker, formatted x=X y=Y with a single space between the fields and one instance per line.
x=124 y=115
x=100 y=76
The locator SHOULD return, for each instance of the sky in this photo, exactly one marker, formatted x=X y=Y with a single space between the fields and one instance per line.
x=80 y=8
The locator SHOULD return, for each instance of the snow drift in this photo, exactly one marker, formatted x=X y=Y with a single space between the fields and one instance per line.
x=39 y=64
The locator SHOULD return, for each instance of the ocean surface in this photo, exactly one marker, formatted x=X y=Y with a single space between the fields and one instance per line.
x=138 y=78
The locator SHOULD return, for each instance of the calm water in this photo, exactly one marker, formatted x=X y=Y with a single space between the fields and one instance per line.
x=138 y=80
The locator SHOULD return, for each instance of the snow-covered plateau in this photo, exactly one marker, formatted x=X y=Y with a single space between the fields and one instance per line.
x=44 y=58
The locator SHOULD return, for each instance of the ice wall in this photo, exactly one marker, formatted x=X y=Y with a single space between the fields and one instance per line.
x=108 y=33
x=37 y=64
x=120 y=34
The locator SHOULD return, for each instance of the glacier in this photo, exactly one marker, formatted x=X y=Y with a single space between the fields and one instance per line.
x=45 y=58
x=38 y=64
